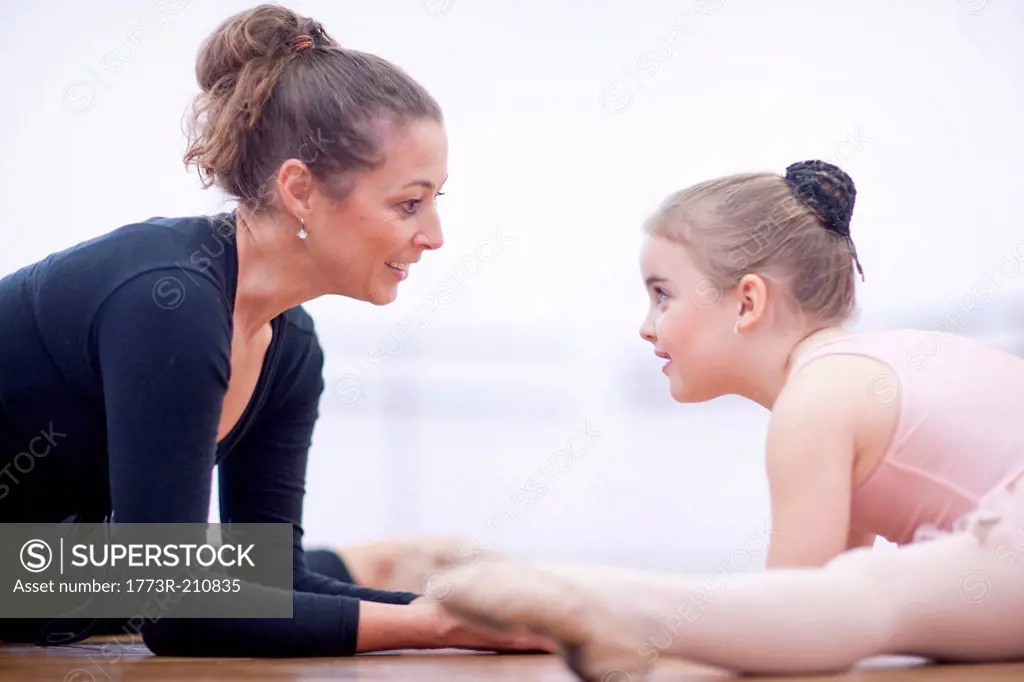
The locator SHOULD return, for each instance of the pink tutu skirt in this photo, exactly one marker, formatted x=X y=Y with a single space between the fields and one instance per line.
x=999 y=516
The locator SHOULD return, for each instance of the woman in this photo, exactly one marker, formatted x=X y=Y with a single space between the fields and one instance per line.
x=153 y=353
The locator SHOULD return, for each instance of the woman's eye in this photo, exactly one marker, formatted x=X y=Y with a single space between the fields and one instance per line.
x=660 y=294
x=411 y=205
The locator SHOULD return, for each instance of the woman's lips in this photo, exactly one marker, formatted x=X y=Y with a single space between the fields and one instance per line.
x=401 y=270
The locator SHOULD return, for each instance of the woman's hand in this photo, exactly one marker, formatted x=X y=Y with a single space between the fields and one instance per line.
x=456 y=634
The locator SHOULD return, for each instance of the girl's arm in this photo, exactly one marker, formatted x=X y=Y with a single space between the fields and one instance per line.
x=859 y=539
x=809 y=460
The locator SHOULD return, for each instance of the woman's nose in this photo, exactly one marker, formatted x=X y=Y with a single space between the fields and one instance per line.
x=431 y=238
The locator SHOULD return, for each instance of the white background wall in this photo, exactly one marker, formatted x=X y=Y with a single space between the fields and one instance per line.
x=568 y=121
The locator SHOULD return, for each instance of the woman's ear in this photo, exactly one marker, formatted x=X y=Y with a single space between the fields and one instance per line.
x=752 y=295
x=295 y=186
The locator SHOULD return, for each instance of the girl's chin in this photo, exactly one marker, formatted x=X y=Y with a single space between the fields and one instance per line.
x=681 y=390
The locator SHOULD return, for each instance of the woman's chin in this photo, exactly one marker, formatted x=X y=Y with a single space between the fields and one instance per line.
x=382 y=295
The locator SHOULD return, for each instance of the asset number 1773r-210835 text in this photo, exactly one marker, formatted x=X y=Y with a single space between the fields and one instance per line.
x=195 y=585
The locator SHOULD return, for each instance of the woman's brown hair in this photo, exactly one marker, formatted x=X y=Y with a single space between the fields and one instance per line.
x=275 y=86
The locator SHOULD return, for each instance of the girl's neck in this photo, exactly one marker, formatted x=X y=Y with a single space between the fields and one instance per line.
x=762 y=377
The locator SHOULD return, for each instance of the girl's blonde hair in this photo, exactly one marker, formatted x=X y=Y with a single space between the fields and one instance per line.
x=794 y=229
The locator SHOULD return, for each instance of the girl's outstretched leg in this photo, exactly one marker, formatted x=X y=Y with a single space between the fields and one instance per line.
x=608 y=620
x=956 y=598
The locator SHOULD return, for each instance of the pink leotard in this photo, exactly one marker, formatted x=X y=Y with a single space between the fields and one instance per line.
x=959 y=434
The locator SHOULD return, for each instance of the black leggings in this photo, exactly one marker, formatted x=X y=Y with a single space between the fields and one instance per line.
x=327 y=562
x=31 y=630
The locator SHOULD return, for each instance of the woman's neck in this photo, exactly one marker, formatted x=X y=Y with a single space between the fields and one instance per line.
x=273 y=271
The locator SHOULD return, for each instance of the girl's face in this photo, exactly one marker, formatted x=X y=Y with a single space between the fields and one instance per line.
x=689 y=322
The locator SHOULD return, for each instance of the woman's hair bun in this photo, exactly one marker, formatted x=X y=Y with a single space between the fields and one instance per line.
x=827 y=190
x=259 y=35
x=275 y=86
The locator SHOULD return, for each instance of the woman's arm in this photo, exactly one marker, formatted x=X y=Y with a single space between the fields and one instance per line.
x=165 y=373
x=425 y=625
x=263 y=481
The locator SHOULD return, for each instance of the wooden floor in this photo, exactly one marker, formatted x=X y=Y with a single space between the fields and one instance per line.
x=107 y=661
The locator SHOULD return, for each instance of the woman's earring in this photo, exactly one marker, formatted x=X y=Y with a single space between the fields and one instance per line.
x=302 y=229
x=736 y=327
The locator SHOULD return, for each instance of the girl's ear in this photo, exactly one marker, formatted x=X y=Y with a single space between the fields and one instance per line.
x=752 y=294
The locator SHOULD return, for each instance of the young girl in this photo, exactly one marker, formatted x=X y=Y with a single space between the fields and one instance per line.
x=895 y=434
x=751 y=278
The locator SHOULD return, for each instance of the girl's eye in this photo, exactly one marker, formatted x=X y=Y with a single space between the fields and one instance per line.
x=660 y=294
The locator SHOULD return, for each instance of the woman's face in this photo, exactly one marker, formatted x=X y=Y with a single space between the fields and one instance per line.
x=364 y=246
x=688 y=322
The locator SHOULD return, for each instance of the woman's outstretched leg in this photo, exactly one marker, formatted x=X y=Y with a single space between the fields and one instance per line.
x=956 y=598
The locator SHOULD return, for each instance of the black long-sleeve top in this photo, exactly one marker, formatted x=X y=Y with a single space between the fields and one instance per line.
x=117 y=352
